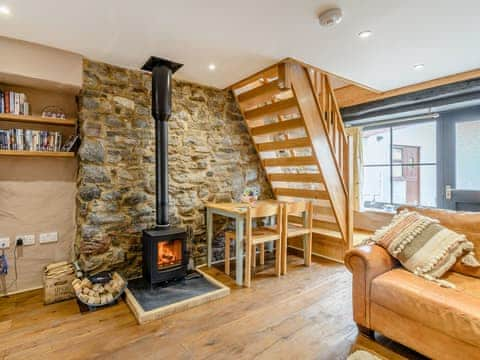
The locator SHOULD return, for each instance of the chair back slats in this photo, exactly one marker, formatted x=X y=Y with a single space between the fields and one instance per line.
x=264 y=210
x=296 y=207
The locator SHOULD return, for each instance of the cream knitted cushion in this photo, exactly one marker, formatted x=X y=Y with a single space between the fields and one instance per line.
x=423 y=246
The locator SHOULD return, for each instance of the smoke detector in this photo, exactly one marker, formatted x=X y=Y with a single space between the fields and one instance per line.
x=330 y=17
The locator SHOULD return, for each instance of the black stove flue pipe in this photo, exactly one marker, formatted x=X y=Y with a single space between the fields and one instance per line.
x=162 y=71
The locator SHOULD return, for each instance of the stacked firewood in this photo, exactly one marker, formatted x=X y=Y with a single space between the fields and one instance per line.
x=54 y=271
x=98 y=294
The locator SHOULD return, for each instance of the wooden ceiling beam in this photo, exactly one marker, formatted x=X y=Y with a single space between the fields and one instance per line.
x=352 y=95
x=429 y=98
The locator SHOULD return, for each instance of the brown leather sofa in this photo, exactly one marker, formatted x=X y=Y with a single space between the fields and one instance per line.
x=440 y=323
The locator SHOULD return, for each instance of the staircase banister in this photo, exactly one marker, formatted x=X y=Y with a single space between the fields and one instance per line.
x=332 y=150
x=336 y=107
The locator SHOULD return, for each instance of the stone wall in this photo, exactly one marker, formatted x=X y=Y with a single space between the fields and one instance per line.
x=211 y=157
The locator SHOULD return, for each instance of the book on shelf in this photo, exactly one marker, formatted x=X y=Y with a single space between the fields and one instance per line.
x=14 y=103
x=30 y=140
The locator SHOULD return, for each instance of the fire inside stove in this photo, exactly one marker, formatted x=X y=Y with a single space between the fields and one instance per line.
x=169 y=253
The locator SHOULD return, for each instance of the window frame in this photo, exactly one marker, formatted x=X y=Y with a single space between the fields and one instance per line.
x=391 y=165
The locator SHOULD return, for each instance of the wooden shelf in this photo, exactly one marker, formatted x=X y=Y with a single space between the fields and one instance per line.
x=60 y=154
x=38 y=119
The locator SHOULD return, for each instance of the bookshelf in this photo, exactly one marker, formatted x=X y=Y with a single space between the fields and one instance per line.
x=59 y=154
x=39 y=98
x=33 y=119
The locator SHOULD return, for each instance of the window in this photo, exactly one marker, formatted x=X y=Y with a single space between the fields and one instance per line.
x=467 y=150
x=400 y=166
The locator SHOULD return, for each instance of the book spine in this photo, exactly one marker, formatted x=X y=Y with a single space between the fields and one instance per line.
x=35 y=140
x=7 y=102
x=28 y=140
x=12 y=139
x=3 y=140
x=12 y=102
x=21 y=101
x=17 y=104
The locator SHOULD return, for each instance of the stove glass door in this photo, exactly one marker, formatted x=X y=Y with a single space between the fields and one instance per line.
x=169 y=253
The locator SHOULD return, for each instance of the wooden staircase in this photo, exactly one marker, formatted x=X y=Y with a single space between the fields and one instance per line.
x=296 y=126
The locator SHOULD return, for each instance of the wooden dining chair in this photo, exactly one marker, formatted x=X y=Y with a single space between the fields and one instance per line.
x=257 y=237
x=229 y=238
x=304 y=209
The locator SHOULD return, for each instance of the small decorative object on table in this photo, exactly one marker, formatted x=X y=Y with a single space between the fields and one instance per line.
x=99 y=290
x=53 y=112
x=57 y=282
x=249 y=195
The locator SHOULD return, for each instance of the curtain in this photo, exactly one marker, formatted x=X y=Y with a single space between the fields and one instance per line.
x=355 y=135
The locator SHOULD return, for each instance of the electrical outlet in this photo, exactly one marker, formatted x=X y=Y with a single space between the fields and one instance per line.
x=48 y=237
x=4 y=242
x=27 y=239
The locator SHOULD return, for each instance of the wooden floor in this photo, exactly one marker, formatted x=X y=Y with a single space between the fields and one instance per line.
x=304 y=315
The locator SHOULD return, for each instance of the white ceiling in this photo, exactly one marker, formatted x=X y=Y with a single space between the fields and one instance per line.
x=241 y=37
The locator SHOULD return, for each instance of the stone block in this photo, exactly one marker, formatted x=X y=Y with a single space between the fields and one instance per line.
x=89 y=192
x=92 y=151
x=94 y=174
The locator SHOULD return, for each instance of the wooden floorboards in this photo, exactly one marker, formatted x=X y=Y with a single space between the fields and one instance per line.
x=304 y=315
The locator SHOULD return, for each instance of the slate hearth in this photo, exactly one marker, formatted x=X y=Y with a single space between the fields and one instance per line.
x=154 y=302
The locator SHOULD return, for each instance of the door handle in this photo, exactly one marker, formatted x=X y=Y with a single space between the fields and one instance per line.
x=448 y=192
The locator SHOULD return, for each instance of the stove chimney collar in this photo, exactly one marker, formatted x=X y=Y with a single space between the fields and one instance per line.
x=156 y=61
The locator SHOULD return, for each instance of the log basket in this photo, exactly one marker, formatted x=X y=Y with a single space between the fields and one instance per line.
x=100 y=279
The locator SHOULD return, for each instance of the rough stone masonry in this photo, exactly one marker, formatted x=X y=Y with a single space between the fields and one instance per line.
x=211 y=156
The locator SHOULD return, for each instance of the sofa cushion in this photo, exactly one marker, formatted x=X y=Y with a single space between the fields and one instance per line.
x=453 y=311
x=467 y=223
x=423 y=246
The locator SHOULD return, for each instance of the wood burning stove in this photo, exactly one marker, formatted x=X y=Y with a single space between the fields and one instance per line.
x=165 y=255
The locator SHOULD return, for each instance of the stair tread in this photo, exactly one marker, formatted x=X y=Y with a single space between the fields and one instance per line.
x=259 y=94
x=300 y=177
x=276 y=108
x=325 y=218
x=302 y=193
x=291 y=161
x=285 y=144
x=268 y=73
x=277 y=127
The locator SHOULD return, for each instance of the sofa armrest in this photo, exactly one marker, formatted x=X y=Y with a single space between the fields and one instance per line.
x=366 y=263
